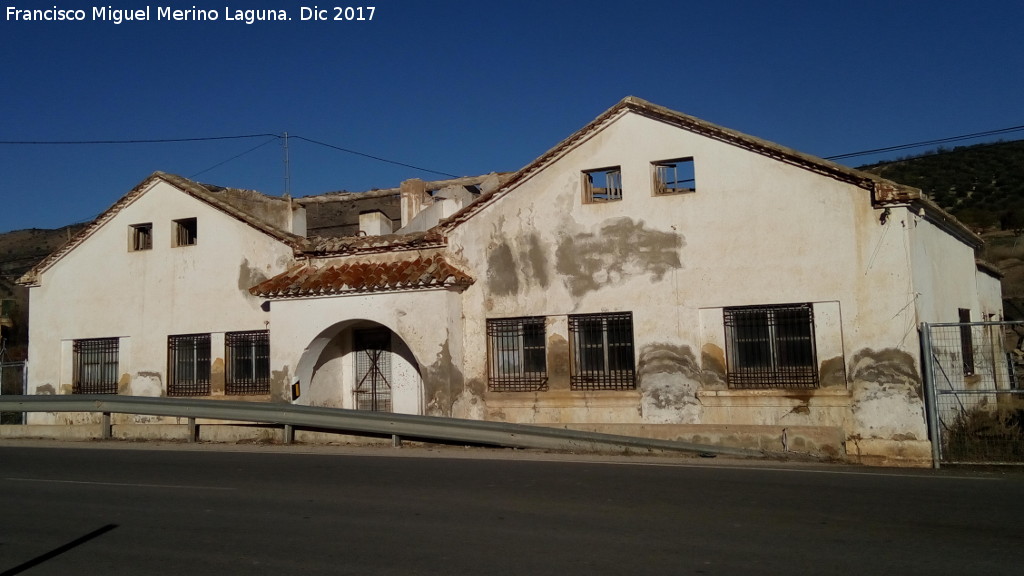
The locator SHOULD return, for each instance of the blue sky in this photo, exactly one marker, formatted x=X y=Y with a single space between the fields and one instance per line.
x=472 y=87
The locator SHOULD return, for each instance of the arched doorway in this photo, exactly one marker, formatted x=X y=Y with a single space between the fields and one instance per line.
x=361 y=365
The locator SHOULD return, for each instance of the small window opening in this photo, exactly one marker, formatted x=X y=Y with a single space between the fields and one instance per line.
x=674 y=177
x=966 y=341
x=185 y=232
x=604 y=185
x=140 y=237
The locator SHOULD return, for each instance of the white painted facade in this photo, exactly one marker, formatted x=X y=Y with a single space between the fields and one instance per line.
x=866 y=259
x=101 y=288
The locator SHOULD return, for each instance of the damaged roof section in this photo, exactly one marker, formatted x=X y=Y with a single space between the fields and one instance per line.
x=430 y=272
x=337 y=214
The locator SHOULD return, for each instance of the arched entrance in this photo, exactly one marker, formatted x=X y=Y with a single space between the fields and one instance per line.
x=362 y=365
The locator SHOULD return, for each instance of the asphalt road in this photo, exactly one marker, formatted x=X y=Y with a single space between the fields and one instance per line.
x=142 y=511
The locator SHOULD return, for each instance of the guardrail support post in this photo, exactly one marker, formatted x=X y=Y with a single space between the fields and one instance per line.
x=193 y=430
x=105 y=422
x=289 y=434
x=396 y=441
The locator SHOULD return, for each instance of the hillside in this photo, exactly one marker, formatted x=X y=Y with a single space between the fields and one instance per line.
x=982 y=185
x=20 y=250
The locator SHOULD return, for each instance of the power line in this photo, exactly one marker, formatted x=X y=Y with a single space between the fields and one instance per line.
x=373 y=157
x=928 y=143
x=209 y=138
x=235 y=157
x=151 y=141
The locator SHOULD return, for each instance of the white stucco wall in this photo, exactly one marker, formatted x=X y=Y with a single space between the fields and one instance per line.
x=756 y=231
x=310 y=343
x=100 y=289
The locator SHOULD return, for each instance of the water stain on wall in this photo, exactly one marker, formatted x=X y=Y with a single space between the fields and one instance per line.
x=621 y=248
x=832 y=373
x=249 y=276
x=558 y=362
x=513 y=266
x=712 y=362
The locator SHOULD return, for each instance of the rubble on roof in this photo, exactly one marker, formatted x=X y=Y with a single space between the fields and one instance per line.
x=362 y=276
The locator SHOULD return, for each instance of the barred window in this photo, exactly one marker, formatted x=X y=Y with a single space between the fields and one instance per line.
x=771 y=347
x=95 y=370
x=517 y=360
x=603 y=185
x=188 y=365
x=602 y=352
x=248 y=362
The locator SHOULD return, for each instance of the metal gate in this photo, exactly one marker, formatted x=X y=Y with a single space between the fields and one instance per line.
x=373 y=369
x=12 y=382
x=973 y=374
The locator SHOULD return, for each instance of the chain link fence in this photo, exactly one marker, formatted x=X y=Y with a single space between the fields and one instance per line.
x=974 y=371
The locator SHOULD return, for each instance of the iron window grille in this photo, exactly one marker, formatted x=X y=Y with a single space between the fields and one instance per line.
x=674 y=176
x=771 y=347
x=602 y=352
x=604 y=185
x=248 y=362
x=188 y=365
x=141 y=237
x=95 y=370
x=373 y=369
x=186 y=232
x=517 y=359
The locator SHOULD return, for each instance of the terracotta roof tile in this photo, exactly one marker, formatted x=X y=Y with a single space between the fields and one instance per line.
x=360 y=277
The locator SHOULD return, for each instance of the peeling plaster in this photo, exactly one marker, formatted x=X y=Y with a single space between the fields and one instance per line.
x=280 y=385
x=45 y=389
x=443 y=385
x=470 y=403
x=146 y=383
x=669 y=379
x=620 y=249
x=886 y=390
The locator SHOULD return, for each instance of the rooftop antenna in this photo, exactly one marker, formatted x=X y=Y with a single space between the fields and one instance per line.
x=287 y=169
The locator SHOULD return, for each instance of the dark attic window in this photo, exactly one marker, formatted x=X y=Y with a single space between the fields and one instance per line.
x=185 y=232
x=140 y=237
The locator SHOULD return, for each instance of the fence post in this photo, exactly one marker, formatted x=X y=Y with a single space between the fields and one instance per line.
x=106 y=433
x=931 y=402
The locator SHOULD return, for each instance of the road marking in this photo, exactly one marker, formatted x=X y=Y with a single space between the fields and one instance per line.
x=121 y=484
x=773 y=469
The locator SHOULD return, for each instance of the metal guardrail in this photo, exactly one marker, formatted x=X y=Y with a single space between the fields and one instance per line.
x=398 y=426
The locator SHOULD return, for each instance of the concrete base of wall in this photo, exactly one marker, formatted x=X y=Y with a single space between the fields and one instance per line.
x=226 y=433
x=819 y=441
x=901 y=453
